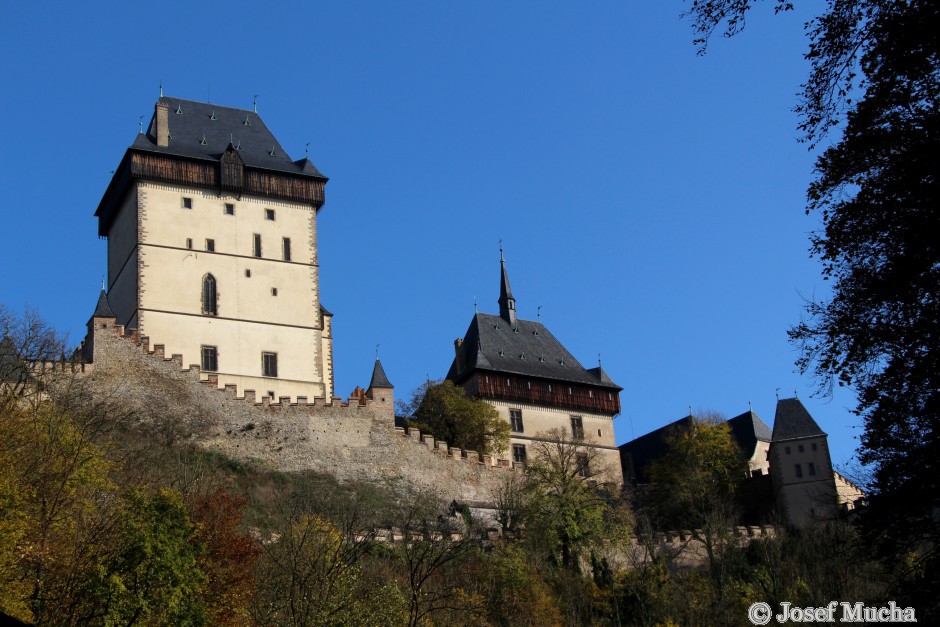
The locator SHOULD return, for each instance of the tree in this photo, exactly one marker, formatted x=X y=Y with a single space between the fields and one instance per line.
x=698 y=481
x=566 y=511
x=468 y=423
x=876 y=66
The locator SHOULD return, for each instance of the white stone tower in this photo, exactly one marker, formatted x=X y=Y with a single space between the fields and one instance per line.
x=212 y=249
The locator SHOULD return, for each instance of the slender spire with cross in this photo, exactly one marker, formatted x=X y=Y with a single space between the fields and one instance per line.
x=507 y=304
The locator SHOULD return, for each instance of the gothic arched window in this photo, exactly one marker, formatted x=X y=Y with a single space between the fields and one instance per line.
x=209 y=300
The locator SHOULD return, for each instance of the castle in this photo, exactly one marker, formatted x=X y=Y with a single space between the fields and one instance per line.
x=213 y=313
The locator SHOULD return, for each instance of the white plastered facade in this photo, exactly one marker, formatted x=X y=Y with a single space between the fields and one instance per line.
x=537 y=421
x=158 y=257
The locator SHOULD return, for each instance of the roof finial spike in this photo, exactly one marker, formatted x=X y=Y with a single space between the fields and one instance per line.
x=307 y=150
x=778 y=393
x=102 y=282
x=255 y=103
x=796 y=393
x=140 y=124
x=538 y=313
x=231 y=138
x=377 y=351
x=161 y=89
x=691 y=415
x=598 y=360
x=501 y=251
x=475 y=310
x=749 y=408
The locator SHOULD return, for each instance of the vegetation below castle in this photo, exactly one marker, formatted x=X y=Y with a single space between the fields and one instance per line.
x=107 y=517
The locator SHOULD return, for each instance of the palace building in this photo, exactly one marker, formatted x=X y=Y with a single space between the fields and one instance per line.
x=212 y=250
x=536 y=385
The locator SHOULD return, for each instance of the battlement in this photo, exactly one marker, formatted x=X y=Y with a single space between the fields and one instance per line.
x=355 y=439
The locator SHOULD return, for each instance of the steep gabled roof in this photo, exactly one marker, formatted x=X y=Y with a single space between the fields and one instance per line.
x=528 y=348
x=201 y=130
x=747 y=430
x=792 y=421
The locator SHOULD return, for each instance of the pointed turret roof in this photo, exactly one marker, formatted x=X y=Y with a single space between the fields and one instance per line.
x=379 y=380
x=103 y=308
x=748 y=429
x=792 y=421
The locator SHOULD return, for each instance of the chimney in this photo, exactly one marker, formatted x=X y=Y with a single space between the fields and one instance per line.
x=162 y=123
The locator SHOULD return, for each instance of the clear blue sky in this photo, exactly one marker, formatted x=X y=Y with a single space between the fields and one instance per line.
x=650 y=200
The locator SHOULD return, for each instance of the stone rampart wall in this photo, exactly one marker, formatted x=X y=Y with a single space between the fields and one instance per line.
x=354 y=440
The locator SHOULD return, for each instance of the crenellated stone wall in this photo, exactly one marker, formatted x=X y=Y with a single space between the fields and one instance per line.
x=352 y=440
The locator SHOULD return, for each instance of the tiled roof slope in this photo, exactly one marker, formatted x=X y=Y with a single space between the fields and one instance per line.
x=651 y=447
x=201 y=130
x=528 y=348
x=379 y=380
x=103 y=308
x=792 y=421
x=747 y=430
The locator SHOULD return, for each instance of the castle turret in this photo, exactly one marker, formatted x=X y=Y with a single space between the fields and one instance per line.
x=380 y=390
x=102 y=318
x=800 y=466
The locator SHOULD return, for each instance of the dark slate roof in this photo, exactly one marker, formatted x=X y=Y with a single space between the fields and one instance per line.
x=103 y=308
x=650 y=447
x=191 y=123
x=748 y=429
x=491 y=343
x=379 y=380
x=325 y=311
x=793 y=421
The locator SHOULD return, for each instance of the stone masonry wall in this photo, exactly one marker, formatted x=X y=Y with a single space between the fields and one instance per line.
x=352 y=441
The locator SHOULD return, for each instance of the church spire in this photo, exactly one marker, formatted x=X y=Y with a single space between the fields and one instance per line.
x=507 y=304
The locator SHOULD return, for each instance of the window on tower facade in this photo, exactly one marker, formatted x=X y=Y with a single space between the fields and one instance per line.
x=210 y=358
x=229 y=209
x=269 y=214
x=269 y=364
x=286 y=249
x=583 y=463
x=210 y=245
x=209 y=296
x=256 y=246
x=515 y=420
x=577 y=428
x=518 y=453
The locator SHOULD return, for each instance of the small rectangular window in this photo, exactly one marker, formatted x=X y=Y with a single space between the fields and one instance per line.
x=256 y=246
x=269 y=364
x=798 y=470
x=269 y=214
x=812 y=469
x=577 y=427
x=210 y=245
x=518 y=453
x=286 y=249
x=187 y=203
x=814 y=446
x=189 y=243
x=247 y=273
x=210 y=358
x=799 y=448
x=273 y=291
x=515 y=420
x=229 y=209
x=786 y=450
